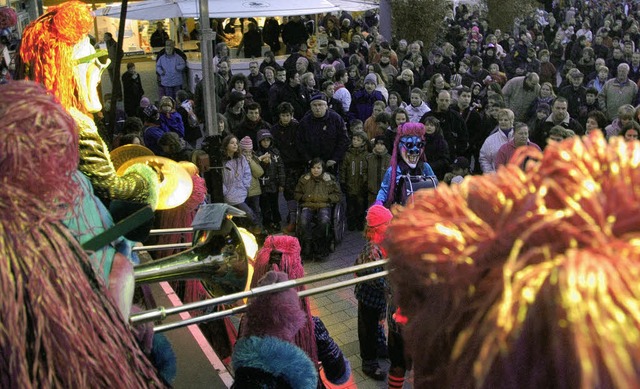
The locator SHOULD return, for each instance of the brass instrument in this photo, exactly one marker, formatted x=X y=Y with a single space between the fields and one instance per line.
x=218 y=257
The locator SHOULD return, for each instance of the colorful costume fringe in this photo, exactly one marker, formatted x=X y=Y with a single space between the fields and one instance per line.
x=526 y=278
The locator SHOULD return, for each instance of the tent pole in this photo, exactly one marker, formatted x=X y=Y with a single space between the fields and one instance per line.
x=116 y=89
x=212 y=142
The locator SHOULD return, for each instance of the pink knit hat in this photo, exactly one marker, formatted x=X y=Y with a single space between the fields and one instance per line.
x=246 y=143
x=378 y=215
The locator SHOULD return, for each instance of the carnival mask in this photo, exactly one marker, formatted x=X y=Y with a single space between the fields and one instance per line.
x=88 y=73
x=411 y=149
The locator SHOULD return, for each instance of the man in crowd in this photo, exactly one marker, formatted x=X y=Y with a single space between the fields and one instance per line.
x=323 y=134
x=559 y=117
x=617 y=92
x=520 y=92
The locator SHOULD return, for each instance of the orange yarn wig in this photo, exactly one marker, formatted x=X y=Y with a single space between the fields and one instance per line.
x=47 y=46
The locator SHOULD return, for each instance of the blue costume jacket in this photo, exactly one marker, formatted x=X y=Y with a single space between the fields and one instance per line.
x=383 y=193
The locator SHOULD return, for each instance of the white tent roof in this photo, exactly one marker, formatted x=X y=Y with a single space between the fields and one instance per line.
x=160 y=9
x=355 y=5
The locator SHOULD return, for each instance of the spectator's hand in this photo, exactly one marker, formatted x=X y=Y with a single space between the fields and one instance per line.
x=330 y=163
x=281 y=189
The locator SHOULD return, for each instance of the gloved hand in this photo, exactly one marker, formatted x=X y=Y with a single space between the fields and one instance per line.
x=378 y=202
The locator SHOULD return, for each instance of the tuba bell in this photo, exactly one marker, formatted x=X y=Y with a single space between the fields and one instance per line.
x=219 y=258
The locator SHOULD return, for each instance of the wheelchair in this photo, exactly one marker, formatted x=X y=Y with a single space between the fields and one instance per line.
x=337 y=226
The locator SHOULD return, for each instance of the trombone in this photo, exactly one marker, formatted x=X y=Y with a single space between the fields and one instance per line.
x=161 y=313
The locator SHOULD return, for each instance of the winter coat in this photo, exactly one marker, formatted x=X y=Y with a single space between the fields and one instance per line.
x=383 y=193
x=362 y=104
x=273 y=178
x=490 y=148
x=416 y=113
x=436 y=150
x=353 y=171
x=453 y=129
x=517 y=98
x=256 y=173
x=287 y=141
x=250 y=129
x=324 y=137
x=172 y=123
x=317 y=192
x=377 y=165
x=236 y=180
x=170 y=68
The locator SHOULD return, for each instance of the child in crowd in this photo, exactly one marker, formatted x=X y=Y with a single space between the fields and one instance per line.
x=355 y=125
x=253 y=195
x=370 y=125
x=371 y=295
x=395 y=101
x=377 y=164
x=170 y=119
x=353 y=178
x=272 y=182
x=363 y=99
x=459 y=170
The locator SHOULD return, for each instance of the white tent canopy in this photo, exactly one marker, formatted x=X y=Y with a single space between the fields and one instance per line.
x=355 y=5
x=160 y=9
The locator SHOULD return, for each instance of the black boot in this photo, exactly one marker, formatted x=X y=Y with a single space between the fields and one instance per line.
x=307 y=250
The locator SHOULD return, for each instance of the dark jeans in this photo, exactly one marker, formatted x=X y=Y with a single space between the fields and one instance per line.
x=356 y=211
x=322 y=217
x=368 y=319
x=270 y=209
x=254 y=203
x=292 y=174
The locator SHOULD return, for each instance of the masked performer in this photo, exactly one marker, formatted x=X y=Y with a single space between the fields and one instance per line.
x=409 y=170
x=282 y=254
x=59 y=328
x=526 y=278
x=56 y=52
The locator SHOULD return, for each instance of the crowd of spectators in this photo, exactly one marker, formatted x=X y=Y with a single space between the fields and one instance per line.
x=575 y=67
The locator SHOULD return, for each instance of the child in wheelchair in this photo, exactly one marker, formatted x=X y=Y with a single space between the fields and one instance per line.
x=316 y=192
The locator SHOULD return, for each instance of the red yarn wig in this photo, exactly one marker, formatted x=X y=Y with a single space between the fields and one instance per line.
x=526 y=278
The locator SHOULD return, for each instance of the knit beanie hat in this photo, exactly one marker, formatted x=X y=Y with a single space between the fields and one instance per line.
x=371 y=78
x=362 y=135
x=263 y=134
x=145 y=102
x=150 y=112
x=234 y=98
x=378 y=215
x=246 y=143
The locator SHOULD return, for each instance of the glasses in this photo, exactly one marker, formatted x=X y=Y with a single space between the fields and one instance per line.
x=411 y=145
